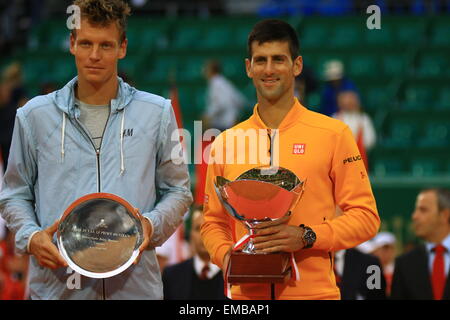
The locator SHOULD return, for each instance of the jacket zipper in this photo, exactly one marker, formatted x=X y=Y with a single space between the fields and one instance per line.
x=97 y=153
x=269 y=134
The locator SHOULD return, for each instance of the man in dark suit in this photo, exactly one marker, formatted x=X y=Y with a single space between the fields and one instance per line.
x=422 y=273
x=196 y=278
x=359 y=275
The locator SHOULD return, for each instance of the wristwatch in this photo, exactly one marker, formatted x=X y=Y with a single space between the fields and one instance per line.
x=308 y=237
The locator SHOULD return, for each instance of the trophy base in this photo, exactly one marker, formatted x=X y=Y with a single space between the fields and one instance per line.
x=259 y=268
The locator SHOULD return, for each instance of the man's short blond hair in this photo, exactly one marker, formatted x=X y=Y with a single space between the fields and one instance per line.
x=104 y=12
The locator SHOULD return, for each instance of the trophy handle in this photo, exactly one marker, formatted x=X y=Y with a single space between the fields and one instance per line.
x=219 y=186
x=299 y=189
x=221 y=181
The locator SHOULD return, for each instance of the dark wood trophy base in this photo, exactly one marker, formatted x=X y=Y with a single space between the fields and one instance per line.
x=260 y=267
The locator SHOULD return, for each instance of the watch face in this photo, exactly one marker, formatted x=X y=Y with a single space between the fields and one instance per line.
x=310 y=236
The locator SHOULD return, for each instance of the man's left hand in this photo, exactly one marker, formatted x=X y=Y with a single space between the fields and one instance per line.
x=276 y=236
x=148 y=232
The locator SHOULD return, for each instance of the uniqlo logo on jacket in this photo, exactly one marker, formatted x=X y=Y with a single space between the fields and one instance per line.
x=299 y=148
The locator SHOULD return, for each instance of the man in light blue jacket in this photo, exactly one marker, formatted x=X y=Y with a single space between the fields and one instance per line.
x=96 y=134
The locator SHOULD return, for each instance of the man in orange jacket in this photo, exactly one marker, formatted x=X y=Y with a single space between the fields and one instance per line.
x=282 y=132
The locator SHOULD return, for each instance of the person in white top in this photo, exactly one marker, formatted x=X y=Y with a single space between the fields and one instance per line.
x=359 y=122
x=224 y=100
x=174 y=250
x=384 y=247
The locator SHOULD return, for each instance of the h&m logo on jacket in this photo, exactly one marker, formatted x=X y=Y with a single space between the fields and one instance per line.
x=128 y=132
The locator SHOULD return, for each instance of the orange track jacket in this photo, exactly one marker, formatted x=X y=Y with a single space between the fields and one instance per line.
x=319 y=149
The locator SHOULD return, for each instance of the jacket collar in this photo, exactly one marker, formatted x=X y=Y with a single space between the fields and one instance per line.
x=291 y=118
x=65 y=98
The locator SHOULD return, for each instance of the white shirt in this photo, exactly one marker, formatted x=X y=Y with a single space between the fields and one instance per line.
x=174 y=249
x=430 y=246
x=199 y=264
x=224 y=103
x=357 y=121
x=339 y=257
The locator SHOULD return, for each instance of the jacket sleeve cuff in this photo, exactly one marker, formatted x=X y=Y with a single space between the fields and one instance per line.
x=153 y=228
x=220 y=254
x=29 y=240
x=324 y=237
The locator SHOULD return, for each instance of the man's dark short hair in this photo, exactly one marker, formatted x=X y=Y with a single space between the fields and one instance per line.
x=274 y=30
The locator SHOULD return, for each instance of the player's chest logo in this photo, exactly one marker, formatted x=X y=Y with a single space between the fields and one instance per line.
x=299 y=148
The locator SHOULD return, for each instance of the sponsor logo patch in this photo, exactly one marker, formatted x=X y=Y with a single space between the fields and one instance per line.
x=299 y=148
x=352 y=159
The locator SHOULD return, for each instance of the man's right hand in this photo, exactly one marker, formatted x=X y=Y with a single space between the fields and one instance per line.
x=42 y=247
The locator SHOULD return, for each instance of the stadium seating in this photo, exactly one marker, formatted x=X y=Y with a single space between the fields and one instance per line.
x=432 y=65
x=401 y=72
x=440 y=30
x=443 y=99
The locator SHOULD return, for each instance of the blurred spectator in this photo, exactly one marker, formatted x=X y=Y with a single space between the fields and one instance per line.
x=383 y=247
x=410 y=245
x=422 y=273
x=47 y=88
x=359 y=122
x=12 y=96
x=196 y=278
x=305 y=84
x=174 y=250
x=224 y=101
x=13 y=271
x=351 y=271
x=335 y=82
x=223 y=107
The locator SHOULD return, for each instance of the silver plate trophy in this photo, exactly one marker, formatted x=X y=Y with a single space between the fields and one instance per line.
x=258 y=195
x=99 y=235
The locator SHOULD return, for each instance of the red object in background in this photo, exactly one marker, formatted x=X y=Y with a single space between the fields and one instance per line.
x=438 y=278
x=361 y=147
x=176 y=106
x=10 y=287
x=200 y=173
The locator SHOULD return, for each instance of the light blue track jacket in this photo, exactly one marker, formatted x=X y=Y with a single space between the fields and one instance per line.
x=53 y=162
